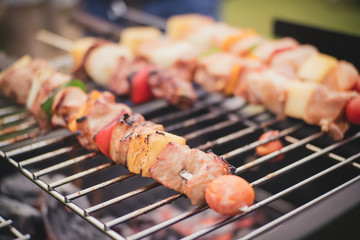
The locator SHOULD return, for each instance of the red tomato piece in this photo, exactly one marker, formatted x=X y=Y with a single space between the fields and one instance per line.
x=357 y=86
x=269 y=147
x=103 y=137
x=140 y=88
x=228 y=194
x=352 y=110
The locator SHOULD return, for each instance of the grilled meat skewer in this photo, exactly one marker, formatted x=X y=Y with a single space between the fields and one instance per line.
x=143 y=147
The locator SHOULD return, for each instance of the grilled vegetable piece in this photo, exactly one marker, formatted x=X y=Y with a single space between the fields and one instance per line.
x=122 y=132
x=48 y=103
x=267 y=50
x=66 y=105
x=96 y=114
x=79 y=50
x=169 y=54
x=271 y=146
x=231 y=40
x=42 y=114
x=357 y=85
x=316 y=67
x=298 y=98
x=353 y=110
x=145 y=146
x=288 y=62
x=180 y=26
x=40 y=76
x=133 y=37
x=102 y=61
x=228 y=194
x=103 y=137
x=140 y=88
x=202 y=168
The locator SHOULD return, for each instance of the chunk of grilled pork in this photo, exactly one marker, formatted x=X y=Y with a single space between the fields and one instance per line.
x=15 y=83
x=100 y=113
x=169 y=85
x=201 y=167
x=326 y=109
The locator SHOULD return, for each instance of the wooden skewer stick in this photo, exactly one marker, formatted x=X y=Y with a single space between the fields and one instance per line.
x=54 y=40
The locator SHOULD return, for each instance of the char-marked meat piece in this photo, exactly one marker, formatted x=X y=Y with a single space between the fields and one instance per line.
x=200 y=167
x=168 y=84
x=100 y=112
x=16 y=81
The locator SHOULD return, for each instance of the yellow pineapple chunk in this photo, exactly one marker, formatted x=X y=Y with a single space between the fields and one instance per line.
x=79 y=49
x=133 y=37
x=298 y=97
x=316 y=67
x=144 y=148
x=180 y=26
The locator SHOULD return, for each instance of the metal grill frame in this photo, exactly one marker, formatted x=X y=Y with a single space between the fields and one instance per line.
x=16 y=233
x=233 y=115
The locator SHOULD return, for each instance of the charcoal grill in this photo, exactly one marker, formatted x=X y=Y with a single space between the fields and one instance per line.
x=314 y=169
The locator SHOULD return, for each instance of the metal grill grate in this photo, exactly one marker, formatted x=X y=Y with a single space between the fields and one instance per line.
x=12 y=232
x=229 y=126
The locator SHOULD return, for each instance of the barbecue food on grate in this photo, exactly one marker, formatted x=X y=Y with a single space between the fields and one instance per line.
x=122 y=132
x=109 y=64
x=99 y=110
x=288 y=62
x=67 y=103
x=203 y=168
x=102 y=124
x=353 y=110
x=48 y=85
x=167 y=84
x=280 y=62
x=16 y=80
x=232 y=199
x=181 y=25
x=134 y=37
x=269 y=147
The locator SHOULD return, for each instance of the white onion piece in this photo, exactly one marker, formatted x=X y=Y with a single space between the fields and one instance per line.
x=40 y=76
x=102 y=62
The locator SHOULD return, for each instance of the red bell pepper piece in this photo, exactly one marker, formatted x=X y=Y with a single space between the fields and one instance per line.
x=103 y=137
x=140 y=88
x=280 y=50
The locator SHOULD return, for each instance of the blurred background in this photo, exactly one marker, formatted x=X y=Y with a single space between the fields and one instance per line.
x=21 y=19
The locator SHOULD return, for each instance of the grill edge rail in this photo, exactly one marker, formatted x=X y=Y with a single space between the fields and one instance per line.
x=294 y=143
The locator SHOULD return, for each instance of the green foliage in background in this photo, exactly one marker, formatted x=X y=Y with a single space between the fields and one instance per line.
x=337 y=15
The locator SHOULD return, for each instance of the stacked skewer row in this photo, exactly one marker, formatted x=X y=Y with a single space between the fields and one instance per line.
x=218 y=57
x=288 y=78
